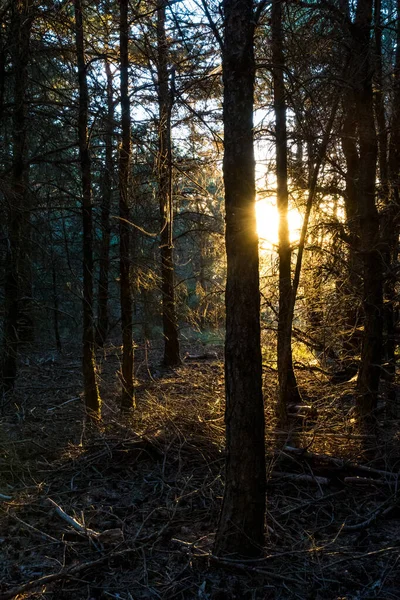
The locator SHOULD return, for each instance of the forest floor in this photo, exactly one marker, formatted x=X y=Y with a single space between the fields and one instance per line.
x=145 y=490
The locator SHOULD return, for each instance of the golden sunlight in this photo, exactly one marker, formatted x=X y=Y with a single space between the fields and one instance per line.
x=268 y=223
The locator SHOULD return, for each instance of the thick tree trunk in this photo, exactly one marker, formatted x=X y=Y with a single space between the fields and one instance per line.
x=107 y=188
x=127 y=398
x=165 y=100
x=388 y=216
x=92 y=398
x=22 y=17
x=369 y=373
x=241 y=526
x=391 y=218
x=288 y=392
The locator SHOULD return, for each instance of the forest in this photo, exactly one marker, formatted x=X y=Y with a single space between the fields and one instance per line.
x=199 y=299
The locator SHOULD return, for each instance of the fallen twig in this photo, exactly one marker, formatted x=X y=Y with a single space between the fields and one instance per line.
x=63 y=404
x=380 y=511
x=338 y=462
x=365 y=481
x=73 y=522
x=109 y=536
x=204 y=356
x=301 y=477
x=35 y=530
x=311 y=502
x=248 y=568
x=63 y=574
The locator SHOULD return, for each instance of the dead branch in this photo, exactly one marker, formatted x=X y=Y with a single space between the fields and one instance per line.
x=311 y=502
x=205 y=356
x=338 y=462
x=250 y=569
x=301 y=477
x=35 y=530
x=5 y=498
x=382 y=510
x=369 y=481
x=109 y=536
x=73 y=522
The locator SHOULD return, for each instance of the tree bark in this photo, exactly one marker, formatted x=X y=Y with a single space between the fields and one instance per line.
x=353 y=275
x=391 y=218
x=57 y=336
x=22 y=17
x=165 y=100
x=92 y=397
x=128 y=397
x=102 y=318
x=241 y=525
x=371 y=353
x=288 y=391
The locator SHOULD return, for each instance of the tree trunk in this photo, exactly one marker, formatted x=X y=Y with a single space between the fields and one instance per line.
x=55 y=306
x=379 y=102
x=92 y=398
x=22 y=16
x=165 y=99
x=369 y=373
x=288 y=392
x=353 y=275
x=390 y=225
x=241 y=525
x=102 y=318
x=127 y=398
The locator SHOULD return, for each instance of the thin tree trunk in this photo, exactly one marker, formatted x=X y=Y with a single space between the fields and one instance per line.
x=241 y=525
x=165 y=99
x=127 y=398
x=26 y=321
x=379 y=102
x=55 y=306
x=22 y=16
x=319 y=159
x=353 y=275
x=288 y=391
x=107 y=188
x=92 y=398
x=56 y=299
x=203 y=308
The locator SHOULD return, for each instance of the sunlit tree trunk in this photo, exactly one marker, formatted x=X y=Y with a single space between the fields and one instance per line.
x=22 y=16
x=165 y=99
x=107 y=189
x=127 y=399
x=92 y=398
x=241 y=525
x=288 y=392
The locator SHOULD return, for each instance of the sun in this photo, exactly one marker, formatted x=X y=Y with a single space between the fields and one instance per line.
x=268 y=223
